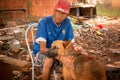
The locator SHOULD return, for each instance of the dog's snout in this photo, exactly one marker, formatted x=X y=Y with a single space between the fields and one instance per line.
x=53 y=50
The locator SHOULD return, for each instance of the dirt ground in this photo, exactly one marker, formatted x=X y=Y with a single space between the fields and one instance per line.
x=104 y=45
x=100 y=42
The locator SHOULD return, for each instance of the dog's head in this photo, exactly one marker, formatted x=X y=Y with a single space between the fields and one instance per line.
x=59 y=47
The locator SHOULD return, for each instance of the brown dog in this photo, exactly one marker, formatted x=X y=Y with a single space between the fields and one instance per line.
x=85 y=67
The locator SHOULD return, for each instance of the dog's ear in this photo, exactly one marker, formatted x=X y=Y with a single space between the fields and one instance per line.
x=66 y=43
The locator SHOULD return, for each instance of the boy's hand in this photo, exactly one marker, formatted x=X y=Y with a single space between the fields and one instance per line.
x=67 y=61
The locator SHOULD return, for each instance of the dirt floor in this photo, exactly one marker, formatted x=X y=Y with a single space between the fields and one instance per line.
x=100 y=37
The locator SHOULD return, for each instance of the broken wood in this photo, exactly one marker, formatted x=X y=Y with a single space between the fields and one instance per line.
x=15 y=62
x=115 y=51
x=114 y=65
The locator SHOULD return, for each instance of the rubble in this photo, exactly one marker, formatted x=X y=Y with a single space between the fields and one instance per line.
x=100 y=42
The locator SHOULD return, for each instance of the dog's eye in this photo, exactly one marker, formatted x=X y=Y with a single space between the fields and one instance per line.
x=55 y=47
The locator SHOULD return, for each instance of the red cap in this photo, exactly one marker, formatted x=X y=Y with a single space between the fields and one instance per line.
x=63 y=5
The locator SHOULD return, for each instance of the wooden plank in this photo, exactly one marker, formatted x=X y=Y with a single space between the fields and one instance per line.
x=14 y=62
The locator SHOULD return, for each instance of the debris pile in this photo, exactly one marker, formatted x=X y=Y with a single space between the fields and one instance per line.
x=102 y=43
x=100 y=37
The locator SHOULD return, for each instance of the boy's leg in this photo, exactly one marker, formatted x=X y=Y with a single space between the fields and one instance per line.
x=47 y=68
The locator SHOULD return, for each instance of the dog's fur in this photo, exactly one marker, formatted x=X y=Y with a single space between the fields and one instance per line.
x=85 y=67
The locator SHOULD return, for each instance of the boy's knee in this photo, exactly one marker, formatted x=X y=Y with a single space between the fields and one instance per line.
x=48 y=63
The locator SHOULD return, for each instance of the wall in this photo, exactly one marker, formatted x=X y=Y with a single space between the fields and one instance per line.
x=115 y=3
x=43 y=7
x=12 y=6
x=12 y=10
x=38 y=8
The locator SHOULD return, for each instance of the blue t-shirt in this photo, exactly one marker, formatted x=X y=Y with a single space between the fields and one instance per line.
x=48 y=30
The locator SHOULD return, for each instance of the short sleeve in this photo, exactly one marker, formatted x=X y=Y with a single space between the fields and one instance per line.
x=41 y=32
